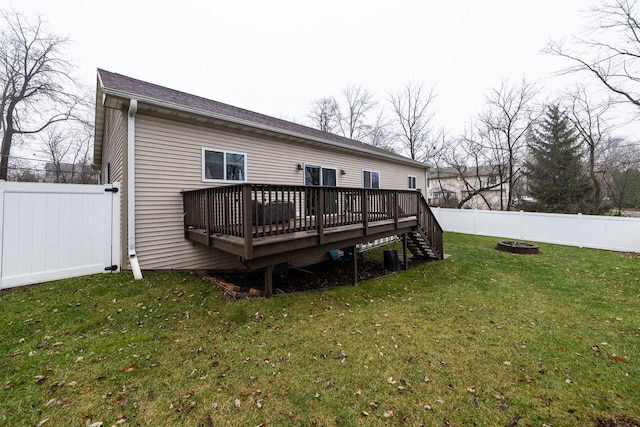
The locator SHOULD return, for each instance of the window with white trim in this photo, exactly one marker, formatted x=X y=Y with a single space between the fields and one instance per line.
x=371 y=179
x=221 y=165
x=412 y=182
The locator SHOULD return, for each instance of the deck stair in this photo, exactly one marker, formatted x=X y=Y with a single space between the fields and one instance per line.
x=419 y=246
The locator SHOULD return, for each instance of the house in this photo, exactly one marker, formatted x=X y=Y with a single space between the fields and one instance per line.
x=206 y=185
x=467 y=187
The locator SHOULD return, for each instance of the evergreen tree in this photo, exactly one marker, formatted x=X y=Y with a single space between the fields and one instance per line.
x=556 y=176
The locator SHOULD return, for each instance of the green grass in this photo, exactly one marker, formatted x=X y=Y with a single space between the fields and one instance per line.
x=477 y=339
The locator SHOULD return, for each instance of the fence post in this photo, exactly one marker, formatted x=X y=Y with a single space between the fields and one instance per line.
x=320 y=214
x=364 y=201
x=521 y=227
x=247 y=226
x=207 y=216
x=580 y=239
x=475 y=221
x=396 y=208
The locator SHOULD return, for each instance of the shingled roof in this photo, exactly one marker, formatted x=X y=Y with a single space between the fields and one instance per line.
x=126 y=87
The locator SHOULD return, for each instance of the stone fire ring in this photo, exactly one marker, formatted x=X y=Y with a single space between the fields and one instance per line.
x=517 y=247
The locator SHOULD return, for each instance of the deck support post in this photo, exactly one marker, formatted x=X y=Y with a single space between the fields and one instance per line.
x=268 y=281
x=404 y=252
x=355 y=265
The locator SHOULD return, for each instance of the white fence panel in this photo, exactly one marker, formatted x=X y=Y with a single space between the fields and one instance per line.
x=599 y=232
x=55 y=231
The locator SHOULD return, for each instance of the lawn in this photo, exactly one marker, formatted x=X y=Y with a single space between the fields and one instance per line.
x=482 y=338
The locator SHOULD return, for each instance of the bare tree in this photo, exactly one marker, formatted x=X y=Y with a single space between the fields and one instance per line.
x=349 y=117
x=34 y=81
x=352 y=119
x=324 y=114
x=22 y=170
x=477 y=170
x=619 y=157
x=590 y=118
x=68 y=148
x=611 y=50
x=412 y=106
x=504 y=127
x=381 y=133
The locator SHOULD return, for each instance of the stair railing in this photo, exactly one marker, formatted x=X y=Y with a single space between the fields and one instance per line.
x=430 y=228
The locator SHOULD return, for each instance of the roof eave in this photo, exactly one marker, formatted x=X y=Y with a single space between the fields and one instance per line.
x=248 y=123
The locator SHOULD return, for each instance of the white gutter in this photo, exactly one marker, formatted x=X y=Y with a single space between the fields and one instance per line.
x=131 y=190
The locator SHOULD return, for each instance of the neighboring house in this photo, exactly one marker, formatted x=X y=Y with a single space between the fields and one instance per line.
x=70 y=173
x=448 y=187
x=160 y=142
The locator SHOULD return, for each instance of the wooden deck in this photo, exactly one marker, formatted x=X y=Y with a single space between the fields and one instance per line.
x=267 y=224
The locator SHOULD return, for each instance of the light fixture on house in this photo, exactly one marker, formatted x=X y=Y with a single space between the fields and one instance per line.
x=299 y=166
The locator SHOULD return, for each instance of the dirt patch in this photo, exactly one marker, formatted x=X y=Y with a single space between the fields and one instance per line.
x=324 y=275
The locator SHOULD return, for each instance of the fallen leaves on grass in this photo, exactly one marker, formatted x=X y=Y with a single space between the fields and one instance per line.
x=189 y=408
x=57 y=384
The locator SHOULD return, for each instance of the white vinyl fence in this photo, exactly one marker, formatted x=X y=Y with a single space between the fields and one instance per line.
x=55 y=231
x=589 y=231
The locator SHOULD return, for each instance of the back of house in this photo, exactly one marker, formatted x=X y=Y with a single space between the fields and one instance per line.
x=159 y=142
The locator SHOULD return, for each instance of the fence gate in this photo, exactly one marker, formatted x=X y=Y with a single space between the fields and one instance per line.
x=55 y=231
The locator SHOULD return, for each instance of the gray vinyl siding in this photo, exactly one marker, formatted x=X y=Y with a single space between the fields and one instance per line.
x=113 y=144
x=169 y=159
x=113 y=149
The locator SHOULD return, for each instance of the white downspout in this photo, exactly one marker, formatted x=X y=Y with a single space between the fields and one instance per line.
x=131 y=190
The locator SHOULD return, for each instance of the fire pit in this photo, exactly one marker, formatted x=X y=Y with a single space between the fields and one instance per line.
x=517 y=247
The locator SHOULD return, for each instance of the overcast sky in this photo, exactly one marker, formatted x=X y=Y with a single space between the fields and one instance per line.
x=276 y=57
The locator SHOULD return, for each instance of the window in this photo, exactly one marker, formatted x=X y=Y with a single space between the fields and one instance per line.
x=371 y=179
x=318 y=175
x=493 y=180
x=325 y=177
x=223 y=166
x=412 y=182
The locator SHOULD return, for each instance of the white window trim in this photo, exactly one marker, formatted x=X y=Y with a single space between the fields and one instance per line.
x=224 y=165
x=304 y=181
x=370 y=172
x=415 y=181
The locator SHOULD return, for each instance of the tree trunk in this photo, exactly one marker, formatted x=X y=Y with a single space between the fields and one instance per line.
x=7 y=140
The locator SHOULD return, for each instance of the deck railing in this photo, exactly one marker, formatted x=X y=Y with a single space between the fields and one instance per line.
x=256 y=210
